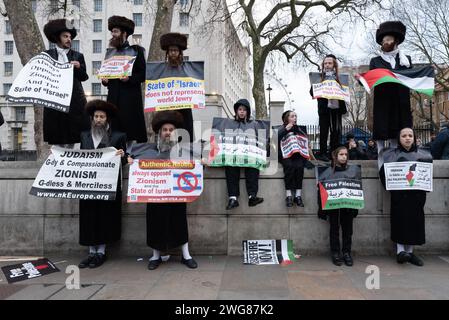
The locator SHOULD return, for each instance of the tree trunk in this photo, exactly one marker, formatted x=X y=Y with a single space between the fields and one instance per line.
x=162 y=25
x=29 y=42
x=259 y=82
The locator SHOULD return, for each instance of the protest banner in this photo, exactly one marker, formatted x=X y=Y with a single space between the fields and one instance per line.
x=29 y=270
x=295 y=143
x=117 y=63
x=165 y=181
x=330 y=89
x=267 y=252
x=239 y=144
x=409 y=175
x=168 y=88
x=341 y=189
x=45 y=82
x=78 y=174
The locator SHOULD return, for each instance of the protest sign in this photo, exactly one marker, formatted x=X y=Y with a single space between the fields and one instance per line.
x=165 y=181
x=409 y=175
x=168 y=88
x=78 y=174
x=45 y=82
x=330 y=89
x=29 y=270
x=239 y=144
x=266 y=252
x=341 y=189
x=117 y=63
x=295 y=143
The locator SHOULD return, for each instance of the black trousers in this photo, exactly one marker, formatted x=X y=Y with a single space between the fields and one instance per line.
x=233 y=181
x=293 y=172
x=330 y=121
x=343 y=219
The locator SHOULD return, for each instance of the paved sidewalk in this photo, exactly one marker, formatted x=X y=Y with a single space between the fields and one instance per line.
x=226 y=278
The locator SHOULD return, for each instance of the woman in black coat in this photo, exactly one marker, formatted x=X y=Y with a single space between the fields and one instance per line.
x=407 y=206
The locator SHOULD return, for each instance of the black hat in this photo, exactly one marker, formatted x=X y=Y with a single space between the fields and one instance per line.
x=162 y=117
x=173 y=39
x=285 y=114
x=54 y=28
x=122 y=23
x=391 y=28
x=245 y=103
x=101 y=105
x=330 y=55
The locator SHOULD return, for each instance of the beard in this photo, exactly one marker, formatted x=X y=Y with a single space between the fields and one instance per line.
x=166 y=144
x=174 y=62
x=116 y=42
x=388 y=47
x=100 y=131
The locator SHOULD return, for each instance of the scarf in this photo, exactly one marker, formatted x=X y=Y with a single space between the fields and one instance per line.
x=390 y=57
x=62 y=54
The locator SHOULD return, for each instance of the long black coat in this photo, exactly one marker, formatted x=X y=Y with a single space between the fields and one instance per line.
x=101 y=221
x=65 y=128
x=391 y=104
x=127 y=97
x=407 y=206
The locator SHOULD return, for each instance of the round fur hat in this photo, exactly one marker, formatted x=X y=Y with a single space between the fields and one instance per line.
x=100 y=105
x=173 y=39
x=122 y=23
x=53 y=29
x=162 y=117
x=391 y=28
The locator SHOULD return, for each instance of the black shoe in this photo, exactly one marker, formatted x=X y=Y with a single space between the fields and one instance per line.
x=416 y=261
x=289 y=201
x=232 y=204
x=189 y=263
x=403 y=257
x=153 y=264
x=348 y=259
x=336 y=259
x=298 y=201
x=85 y=263
x=97 y=261
x=254 y=201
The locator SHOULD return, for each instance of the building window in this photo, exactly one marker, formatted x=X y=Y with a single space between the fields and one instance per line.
x=98 y=5
x=96 y=65
x=17 y=139
x=183 y=19
x=138 y=2
x=54 y=5
x=76 y=3
x=51 y=45
x=6 y=87
x=75 y=45
x=20 y=113
x=96 y=89
x=8 y=29
x=98 y=25
x=184 y=3
x=9 y=48
x=96 y=46
x=137 y=39
x=34 y=5
x=137 y=17
x=8 y=69
x=185 y=58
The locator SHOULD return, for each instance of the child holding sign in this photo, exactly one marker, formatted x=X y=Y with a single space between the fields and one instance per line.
x=293 y=154
x=339 y=217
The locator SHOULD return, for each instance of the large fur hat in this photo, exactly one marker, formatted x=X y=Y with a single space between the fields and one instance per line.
x=53 y=29
x=100 y=105
x=162 y=117
x=391 y=28
x=122 y=23
x=173 y=39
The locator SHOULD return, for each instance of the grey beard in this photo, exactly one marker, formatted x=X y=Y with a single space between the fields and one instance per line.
x=101 y=131
x=166 y=145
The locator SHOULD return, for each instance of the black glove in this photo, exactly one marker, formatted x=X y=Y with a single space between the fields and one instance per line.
x=322 y=215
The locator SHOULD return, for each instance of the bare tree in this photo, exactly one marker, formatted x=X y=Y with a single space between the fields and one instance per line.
x=357 y=111
x=29 y=43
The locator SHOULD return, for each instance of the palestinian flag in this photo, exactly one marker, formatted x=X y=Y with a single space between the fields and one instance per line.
x=266 y=252
x=421 y=80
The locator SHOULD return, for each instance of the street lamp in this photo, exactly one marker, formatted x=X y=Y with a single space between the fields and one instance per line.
x=269 y=94
x=428 y=103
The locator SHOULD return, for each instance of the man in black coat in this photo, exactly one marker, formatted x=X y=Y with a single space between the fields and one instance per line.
x=2 y=121
x=391 y=100
x=330 y=112
x=64 y=128
x=100 y=221
x=126 y=93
